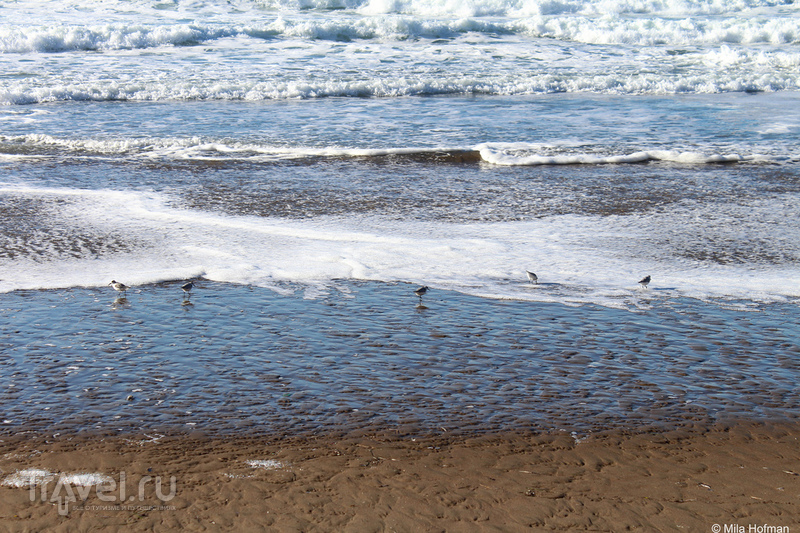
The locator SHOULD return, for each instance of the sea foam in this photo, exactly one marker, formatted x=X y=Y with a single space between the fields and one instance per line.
x=204 y=149
x=572 y=28
x=579 y=259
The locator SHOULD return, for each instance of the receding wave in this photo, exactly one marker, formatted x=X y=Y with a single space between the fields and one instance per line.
x=80 y=237
x=187 y=149
x=198 y=149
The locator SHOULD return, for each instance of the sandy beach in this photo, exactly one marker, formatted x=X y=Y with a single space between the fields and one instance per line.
x=736 y=475
x=308 y=166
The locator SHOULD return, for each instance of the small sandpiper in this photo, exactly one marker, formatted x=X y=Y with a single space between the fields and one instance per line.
x=532 y=277
x=644 y=281
x=419 y=292
x=187 y=288
x=119 y=287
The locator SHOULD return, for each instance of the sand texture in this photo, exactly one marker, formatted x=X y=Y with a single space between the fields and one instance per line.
x=676 y=480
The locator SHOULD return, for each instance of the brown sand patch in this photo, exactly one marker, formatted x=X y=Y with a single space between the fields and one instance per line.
x=678 y=480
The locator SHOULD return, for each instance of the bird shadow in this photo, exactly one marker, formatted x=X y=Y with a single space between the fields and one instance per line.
x=120 y=302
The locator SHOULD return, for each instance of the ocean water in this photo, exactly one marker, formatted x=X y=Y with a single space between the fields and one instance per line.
x=297 y=147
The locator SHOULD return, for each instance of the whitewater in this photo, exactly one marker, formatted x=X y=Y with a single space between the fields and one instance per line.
x=453 y=143
x=57 y=51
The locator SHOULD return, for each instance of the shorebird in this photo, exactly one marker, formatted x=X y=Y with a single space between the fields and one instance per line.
x=119 y=287
x=532 y=277
x=187 y=287
x=644 y=281
x=419 y=292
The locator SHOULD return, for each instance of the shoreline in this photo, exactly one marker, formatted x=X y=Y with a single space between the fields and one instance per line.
x=744 y=473
x=358 y=411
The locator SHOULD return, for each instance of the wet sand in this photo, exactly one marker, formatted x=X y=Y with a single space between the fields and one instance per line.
x=651 y=480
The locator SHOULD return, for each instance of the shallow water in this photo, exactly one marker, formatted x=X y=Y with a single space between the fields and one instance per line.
x=361 y=355
x=311 y=162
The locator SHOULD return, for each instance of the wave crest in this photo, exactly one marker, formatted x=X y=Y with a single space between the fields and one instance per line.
x=501 y=154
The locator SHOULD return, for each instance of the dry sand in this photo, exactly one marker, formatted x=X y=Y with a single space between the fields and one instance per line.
x=677 y=480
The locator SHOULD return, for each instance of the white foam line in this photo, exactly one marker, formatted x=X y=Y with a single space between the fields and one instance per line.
x=498 y=157
x=579 y=259
x=195 y=147
x=503 y=154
